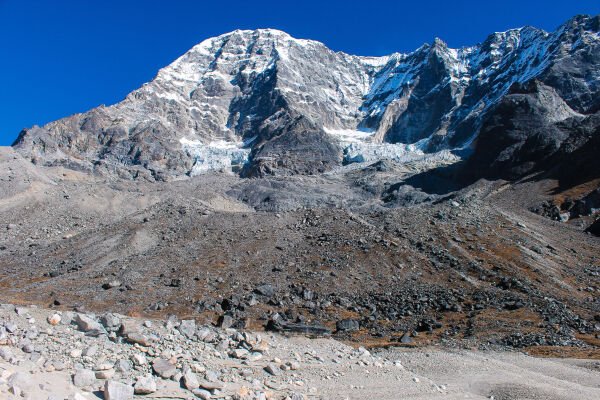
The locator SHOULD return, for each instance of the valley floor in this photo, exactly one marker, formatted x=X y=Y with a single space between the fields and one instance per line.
x=49 y=355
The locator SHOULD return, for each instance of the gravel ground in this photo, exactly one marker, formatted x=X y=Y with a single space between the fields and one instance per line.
x=46 y=356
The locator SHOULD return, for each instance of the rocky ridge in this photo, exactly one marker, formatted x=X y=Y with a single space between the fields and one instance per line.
x=266 y=103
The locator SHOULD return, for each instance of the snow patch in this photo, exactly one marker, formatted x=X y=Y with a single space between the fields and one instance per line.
x=350 y=135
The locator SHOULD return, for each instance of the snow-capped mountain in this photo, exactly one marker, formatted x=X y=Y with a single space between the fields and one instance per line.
x=271 y=104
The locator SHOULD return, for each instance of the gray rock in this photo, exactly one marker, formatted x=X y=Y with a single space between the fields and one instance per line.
x=163 y=368
x=5 y=353
x=21 y=379
x=15 y=390
x=347 y=325
x=211 y=376
x=129 y=327
x=265 y=290
x=406 y=339
x=117 y=391
x=145 y=385
x=226 y=321
x=190 y=380
x=110 y=321
x=203 y=333
x=139 y=339
x=202 y=394
x=188 y=328
x=211 y=385
x=277 y=323
x=122 y=365
x=90 y=351
x=28 y=348
x=89 y=325
x=105 y=374
x=239 y=353
x=22 y=311
x=11 y=327
x=273 y=370
x=84 y=378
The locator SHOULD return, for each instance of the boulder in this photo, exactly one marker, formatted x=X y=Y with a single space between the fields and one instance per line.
x=145 y=385
x=347 y=324
x=84 y=378
x=163 y=368
x=188 y=328
x=117 y=391
x=88 y=325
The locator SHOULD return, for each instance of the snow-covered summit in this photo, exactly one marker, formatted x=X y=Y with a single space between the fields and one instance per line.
x=289 y=94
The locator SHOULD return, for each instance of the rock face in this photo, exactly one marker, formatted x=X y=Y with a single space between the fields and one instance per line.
x=265 y=103
x=533 y=130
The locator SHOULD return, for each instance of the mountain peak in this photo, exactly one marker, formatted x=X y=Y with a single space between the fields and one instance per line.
x=264 y=91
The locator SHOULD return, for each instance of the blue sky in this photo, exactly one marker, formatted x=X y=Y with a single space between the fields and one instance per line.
x=61 y=57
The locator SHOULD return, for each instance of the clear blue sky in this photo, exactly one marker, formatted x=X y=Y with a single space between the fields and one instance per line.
x=60 y=57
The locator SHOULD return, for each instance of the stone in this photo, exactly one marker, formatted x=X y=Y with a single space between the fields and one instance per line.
x=406 y=339
x=203 y=333
x=67 y=317
x=260 y=348
x=84 y=378
x=20 y=379
x=5 y=353
x=265 y=290
x=15 y=390
x=21 y=311
x=90 y=351
x=190 y=380
x=28 y=348
x=197 y=368
x=225 y=321
x=139 y=359
x=163 y=368
x=177 y=377
x=105 y=374
x=110 y=321
x=122 y=365
x=277 y=323
x=129 y=327
x=112 y=284
x=145 y=385
x=89 y=325
x=188 y=328
x=54 y=319
x=347 y=325
x=10 y=327
x=273 y=370
x=211 y=376
x=202 y=394
x=211 y=385
x=117 y=391
x=140 y=339
x=75 y=353
x=239 y=353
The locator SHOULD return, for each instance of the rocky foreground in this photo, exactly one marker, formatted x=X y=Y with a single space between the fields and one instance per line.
x=49 y=354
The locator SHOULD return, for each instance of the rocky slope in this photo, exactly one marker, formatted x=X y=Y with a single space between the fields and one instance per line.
x=267 y=103
x=346 y=254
